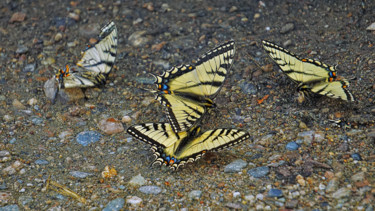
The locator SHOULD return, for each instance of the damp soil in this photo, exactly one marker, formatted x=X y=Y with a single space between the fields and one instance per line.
x=38 y=138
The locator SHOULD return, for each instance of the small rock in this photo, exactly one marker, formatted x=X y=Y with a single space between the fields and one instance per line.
x=37 y=120
x=110 y=126
x=292 y=146
x=250 y=198
x=58 y=37
x=287 y=28
x=17 y=104
x=4 y=153
x=41 y=162
x=259 y=171
x=87 y=137
x=302 y=125
x=12 y=207
x=115 y=205
x=235 y=206
x=29 y=68
x=292 y=204
x=195 y=194
x=50 y=89
x=134 y=201
x=73 y=16
x=32 y=101
x=235 y=166
x=9 y=170
x=8 y=118
x=5 y=197
x=332 y=185
x=48 y=61
x=137 y=180
x=22 y=49
x=371 y=27
x=17 y=17
x=358 y=177
x=248 y=88
x=309 y=136
x=275 y=193
x=342 y=192
x=80 y=174
x=356 y=156
x=138 y=39
x=151 y=189
x=233 y=9
x=126 y=119
x=158 y=47
x=66 y=134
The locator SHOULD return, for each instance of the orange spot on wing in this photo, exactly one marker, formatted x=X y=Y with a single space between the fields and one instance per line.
x=304 y=60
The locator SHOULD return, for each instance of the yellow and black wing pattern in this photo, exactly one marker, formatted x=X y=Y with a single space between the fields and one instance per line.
x=176 y=149
x=188 y=90
x=96 y=63
x=310 y=75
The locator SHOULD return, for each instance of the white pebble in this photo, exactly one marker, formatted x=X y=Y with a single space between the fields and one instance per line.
x=133 y=200
x=259 y=196
x=236 y=194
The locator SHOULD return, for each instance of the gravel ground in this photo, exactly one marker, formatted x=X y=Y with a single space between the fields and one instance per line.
x=296 y=159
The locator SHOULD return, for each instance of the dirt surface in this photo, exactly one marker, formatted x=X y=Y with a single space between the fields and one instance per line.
x=332 y=168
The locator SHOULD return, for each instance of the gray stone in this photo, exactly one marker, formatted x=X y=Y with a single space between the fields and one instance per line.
x=195 y=194
x=259 y=171
x=235 y=166
x=80 y=174
x=87 y=137
x=151 y=189
x=115 y=205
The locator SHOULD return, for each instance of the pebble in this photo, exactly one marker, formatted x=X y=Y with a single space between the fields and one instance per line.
x=50 y=88
x=133 y=200
x=342 y=192
x=115 y=205
x=80 y=174
x=10 y=170
x=287 y=28
x=291 y=146
x=259 y=171
x=8 y=118
x=138 y=39
x=371 y=27
x=110 y=126
x=259 y=196
x=150 y=189
x=358 y=176
x=48 y=61
x=235 y=166
x=292 y=204
x=41 y=162
x=332 y=185
x=32 y=101
x=18 y=105
x=58 y=37
x=309 y=136
x=137 y=180
x=66 y=134
x=248 y=88
x=126 y=119
x=12 y=207
x=5 y=197
x=275 y=193
x=87 y=137
x=29 y=68
x=356 y=156
x=4 y=153
x=250 y=198
x=195 y=194
x=37 y=120
x=17 y=17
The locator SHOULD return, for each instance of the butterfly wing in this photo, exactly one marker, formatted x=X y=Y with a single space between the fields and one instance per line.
x=100 y=57
x=335 y=89
x=299 y=70
x=156 y=134
x=182 y=112
x=205 y=78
